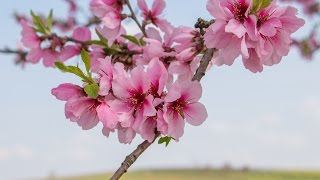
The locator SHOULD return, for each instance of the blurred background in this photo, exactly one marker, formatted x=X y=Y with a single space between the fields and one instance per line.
x=267 y=121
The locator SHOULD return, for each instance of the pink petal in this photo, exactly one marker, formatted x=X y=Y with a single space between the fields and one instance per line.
x=68 y=52
x=191 y=91
x=195 y=113
x=82 y=34
x=34 y=55
x=108 y=118
x=215 y=9
x=143 y=6
x=66 y=91
x=88 y=120
x=126 y=135
x=236 y=28
x=175 y=125
x=158 y=74
x=139 y=82
x=148 y=129
x=173 y=93
x=253 y=63
x=148 y=108
x=157 y=7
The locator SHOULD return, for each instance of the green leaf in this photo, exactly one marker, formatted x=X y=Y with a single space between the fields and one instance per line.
x=142 y=42
x=165 y=140
x=260 y=4
x=37 y=23
x=49 y=20
x=86 y=60
x=73 y=70
x=92 y=90
x=40 y=26
x=132 y=39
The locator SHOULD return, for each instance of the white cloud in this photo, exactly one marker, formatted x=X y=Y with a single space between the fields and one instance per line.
x=4 y=153
x=16 y=151
x=311 y=108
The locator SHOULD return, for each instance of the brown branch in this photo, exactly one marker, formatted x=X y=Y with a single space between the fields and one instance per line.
x=131 y=158
x=201 y=71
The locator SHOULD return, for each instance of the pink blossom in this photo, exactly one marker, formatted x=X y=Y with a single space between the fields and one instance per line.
x=109 y=11
x=133 y=100
x=261 y=38
x=30 y=39
x=78 y=108
x=181 y=103
x=81 y=35
x=82 y=110
x=152 y=15
x=158 y=76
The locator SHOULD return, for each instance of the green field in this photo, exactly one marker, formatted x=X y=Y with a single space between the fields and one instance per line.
x=205 y=175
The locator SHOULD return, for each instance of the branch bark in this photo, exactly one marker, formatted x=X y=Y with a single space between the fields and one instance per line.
x=131 y=158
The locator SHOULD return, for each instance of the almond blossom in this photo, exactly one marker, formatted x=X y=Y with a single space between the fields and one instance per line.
x=181 y=104
x=79 y=108
x=152 y=15
x=261 y=36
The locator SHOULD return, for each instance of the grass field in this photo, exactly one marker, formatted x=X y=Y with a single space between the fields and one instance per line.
x=205 y=175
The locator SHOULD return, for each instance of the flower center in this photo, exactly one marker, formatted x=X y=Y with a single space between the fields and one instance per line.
x=136 y=100
x=262 y=18
x=178 y=106
x=239 y=10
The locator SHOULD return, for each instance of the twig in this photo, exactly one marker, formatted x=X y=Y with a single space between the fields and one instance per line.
x=131 y=158
x=134 y=17
x=11 y=51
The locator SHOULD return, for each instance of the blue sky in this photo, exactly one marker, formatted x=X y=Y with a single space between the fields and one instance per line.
x=267 y=120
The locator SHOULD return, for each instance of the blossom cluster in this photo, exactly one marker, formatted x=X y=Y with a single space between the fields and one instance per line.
x=259 y=31
x=142 y=83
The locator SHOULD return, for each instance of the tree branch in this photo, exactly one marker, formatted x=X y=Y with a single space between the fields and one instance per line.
x=201 y=71
x=131 y=158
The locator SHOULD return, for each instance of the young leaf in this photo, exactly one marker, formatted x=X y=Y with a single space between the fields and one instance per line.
x=165 y=140
x=142 y=42
x=36 y=23
x=260 y=4
x=132 y=39
x=86 y=60
x=73 y=70
x=92 y=90
x=49 y=20
x=39 y=24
